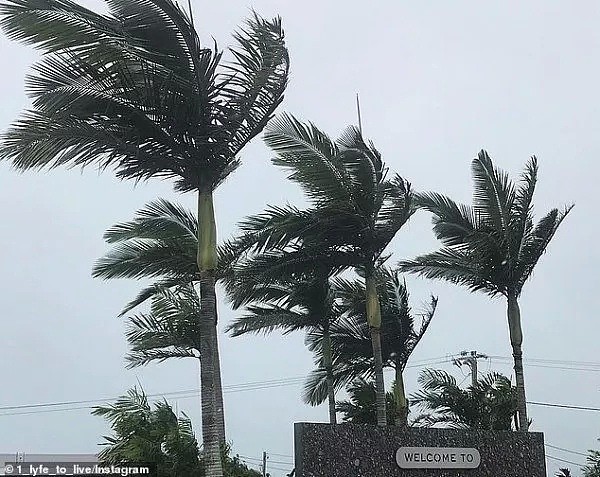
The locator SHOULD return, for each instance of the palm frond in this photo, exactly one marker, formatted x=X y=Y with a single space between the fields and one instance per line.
x=536 y=243
x=494 y=193
x=147 y=259
x=311 y=156
x=158 y=220
x=453 y=224
x=454 y=266
x=521 y=221
x=266 y=319
x=254 y=83
x=150 y=291
x=315 y=387
x=170 y=330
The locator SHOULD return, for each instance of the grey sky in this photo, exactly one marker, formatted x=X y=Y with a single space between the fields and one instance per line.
x=438 y=82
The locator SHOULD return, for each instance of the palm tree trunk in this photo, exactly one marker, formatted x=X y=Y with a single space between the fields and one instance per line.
x=374 y=321
x=327 y=362
x=207 y=263
x=516 y=340
x=219 y=394
x=401 y=402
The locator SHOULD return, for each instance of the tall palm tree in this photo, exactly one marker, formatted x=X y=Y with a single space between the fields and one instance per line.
x=490 y=405
x=491 y=246
x=401 y=331
x=160 y=243
x=136 y=91
x=355 y=211
x=153 y=434
x=289 y=304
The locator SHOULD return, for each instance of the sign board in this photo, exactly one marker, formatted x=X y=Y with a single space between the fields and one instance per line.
x=438 y=458
x=364 y=450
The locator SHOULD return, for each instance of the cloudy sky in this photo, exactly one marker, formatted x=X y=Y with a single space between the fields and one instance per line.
x=438 y=82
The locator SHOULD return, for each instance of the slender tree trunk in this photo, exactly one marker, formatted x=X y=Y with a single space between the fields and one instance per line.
x=374 y=321
x=219 y=394
x=207 y=264
x=516 y=340
x=401 y=401
x=327 y=361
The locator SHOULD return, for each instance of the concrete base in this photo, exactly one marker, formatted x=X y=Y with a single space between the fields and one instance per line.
x=357 y=450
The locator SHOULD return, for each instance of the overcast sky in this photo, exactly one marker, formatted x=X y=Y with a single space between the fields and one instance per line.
x=438 y=82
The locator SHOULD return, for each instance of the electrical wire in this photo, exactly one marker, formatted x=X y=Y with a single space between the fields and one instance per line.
x=565 y=450
x=25 y=409
x=564 y=406
x=280 y=455
x=563 y=460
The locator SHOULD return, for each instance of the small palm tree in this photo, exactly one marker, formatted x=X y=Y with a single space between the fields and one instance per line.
x=136 y=91
x=350 y=337
x=360 y=408
x=355 y=212
x=153 y=434
x=492 y=246
x=592 y=468
x=563 y=473
x=490 y=405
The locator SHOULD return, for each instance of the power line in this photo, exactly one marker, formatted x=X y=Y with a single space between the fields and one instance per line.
x=248 y=386
x=564 y=406
x=563 y=460
x=174 y=394
x=565 y=450
x=281 y=462
x=281 y=455
x=553 y=361
x=227 y=388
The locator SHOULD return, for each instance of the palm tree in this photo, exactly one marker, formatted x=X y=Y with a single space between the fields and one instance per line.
x=350 y=337
x=355 y=211
x=153 y=434
x=592 y=469
x=490 y=405
x=160 y=243
x=136 y=91
x=360 y=408
x=491 y=246
x=563 y=473
x=288 y=304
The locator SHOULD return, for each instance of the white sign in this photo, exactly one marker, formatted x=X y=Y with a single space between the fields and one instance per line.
x=437 y=458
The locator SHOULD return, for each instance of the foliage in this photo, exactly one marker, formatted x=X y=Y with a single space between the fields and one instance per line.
x=360 y=409
x=234 y=467
x=563 y=473
x=145 y=433
x=489 y=405
x=592 y=468
x=401 y=331
x=153 y=433
x=354 y=212
x=493 y=245
x=136 y=91
x=171 y=329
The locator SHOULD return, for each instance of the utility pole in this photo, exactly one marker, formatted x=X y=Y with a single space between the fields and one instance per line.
x=264 y=466
x=470 y=359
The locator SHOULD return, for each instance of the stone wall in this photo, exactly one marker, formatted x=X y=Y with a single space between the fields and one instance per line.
x=351 y=450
